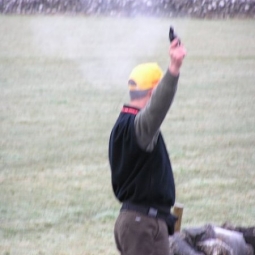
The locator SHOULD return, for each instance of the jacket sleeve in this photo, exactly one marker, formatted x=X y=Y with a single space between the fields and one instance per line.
x=150 y=118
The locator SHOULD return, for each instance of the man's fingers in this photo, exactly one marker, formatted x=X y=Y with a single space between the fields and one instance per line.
x=177 y=50
x=175 y=43
x=184 y=52
x=177 y=47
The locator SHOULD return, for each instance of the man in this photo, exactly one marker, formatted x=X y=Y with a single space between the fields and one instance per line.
x=142 y=177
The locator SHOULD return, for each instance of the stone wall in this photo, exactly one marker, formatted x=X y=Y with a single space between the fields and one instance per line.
x=165 y=8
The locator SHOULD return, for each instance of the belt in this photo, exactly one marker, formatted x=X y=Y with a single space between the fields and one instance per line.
x=162 y=213
x=147 y=210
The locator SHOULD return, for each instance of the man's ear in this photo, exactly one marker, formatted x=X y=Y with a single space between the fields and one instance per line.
x=150 y=92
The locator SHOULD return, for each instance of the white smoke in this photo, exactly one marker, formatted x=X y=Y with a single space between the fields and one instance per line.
x=104 y=49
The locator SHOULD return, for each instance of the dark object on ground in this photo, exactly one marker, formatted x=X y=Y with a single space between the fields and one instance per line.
x=209 y=240
x=179 y=246
x=248 y=233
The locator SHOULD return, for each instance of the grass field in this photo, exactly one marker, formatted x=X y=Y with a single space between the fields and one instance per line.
x=63 y=81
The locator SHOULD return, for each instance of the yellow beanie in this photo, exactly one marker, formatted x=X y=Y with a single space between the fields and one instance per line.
x=144 y=77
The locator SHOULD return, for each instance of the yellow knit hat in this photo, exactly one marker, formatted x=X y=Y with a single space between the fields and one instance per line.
x=144 y=77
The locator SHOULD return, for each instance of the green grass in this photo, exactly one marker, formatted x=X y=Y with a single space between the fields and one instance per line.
x=63 y=82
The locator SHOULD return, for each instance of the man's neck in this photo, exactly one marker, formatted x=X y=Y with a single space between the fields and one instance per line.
x=139 y=103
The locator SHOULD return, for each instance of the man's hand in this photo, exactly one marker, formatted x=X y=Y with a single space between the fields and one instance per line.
x=177 y=53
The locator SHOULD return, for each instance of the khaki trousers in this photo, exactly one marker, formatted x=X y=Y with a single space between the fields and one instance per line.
x=139 y=234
